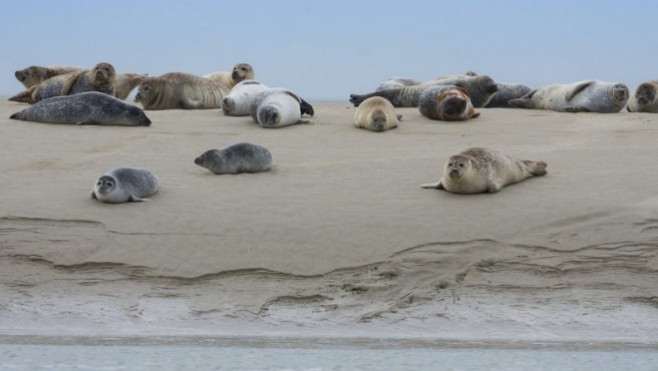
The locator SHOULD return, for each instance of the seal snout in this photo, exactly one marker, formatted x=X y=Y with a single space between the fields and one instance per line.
x=198 y=160
x=20 y=76
x=455 y=106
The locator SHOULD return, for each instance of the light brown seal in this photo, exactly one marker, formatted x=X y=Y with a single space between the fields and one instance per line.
x=241 y=71
x=101 y=78
x=644 y=99
x=446 y=103
x=376 y=114
x=479 y=170
x=180 y=90
x=126 y=82
x=33 y=75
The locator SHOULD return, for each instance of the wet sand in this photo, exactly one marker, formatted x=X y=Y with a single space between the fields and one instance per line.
x=337 y=240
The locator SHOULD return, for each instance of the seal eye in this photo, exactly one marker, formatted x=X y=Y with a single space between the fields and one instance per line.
x=461 y=165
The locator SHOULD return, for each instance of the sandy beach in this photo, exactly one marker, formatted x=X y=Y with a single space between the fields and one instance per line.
x=338 y=239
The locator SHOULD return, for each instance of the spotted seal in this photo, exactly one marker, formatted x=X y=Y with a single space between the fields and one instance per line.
x=239 y=99
x=123 y=184
x=447 y=103
x=241 y=71
x=237 y=158
x=101 y=78
x=33 y=75
x=88 y=108
x=644 y=99
x=584 y=96
x=376 y=114
x=479 y=170
x=480 y=89
x=180 y=90
x=278 y=107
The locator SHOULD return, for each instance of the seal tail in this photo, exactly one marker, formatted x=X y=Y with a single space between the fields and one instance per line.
x=357 y=99
x=536 y=168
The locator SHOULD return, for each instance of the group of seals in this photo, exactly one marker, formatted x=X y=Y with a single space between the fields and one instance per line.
x=376 y=114
x=478 y=170
x=237 y=158
x=100 y=78
x=180 y=90
x=241 y=72
x=124 y=184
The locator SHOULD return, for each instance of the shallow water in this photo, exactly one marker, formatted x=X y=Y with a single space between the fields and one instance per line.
x=315 y=354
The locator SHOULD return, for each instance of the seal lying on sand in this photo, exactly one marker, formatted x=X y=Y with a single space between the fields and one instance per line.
x=126 y=82
x=645 y=98
x=238 y=101
x=88 y=108
x=478 y=170
x=376 y=114
x=180 y=90
x=241 y=72
x=279 y=107
x=33 y=75
x=507 y=92
x=447 y=103
x=479 y=88
x=584 y=96
x=397 y=82
x=100 y=78
x=123 y=184
x=236 y=158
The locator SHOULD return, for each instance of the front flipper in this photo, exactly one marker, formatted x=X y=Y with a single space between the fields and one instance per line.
x=523 y=102
x=436 y=185
x=93 y=195
x=580 y=87
x=70 y=83
x=137 y=199
x=575 y=109
x=494 y=187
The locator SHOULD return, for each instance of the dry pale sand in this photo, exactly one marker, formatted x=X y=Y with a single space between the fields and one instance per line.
x=339 y=235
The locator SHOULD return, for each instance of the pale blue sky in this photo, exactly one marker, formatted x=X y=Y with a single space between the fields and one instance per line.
x=325 y=50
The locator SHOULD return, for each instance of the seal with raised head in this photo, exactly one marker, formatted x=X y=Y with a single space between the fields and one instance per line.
x=126 y=82
x=88 y=108
x=240 y=157
x=278 y=107
x=241 y=71
x=446 y=103
x=180 y=90
x=101 y=78
x=397 y=82
x=480 y=89
x=123 y=184
x=480 y=170
x=239 y=99
x=644 y=99
x=33 y=75
x=584 y=96
x=376 y=114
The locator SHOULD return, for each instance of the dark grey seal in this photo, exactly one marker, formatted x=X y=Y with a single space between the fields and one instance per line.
x=237 y=158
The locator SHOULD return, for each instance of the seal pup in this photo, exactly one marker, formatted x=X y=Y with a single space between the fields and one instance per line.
x=447 y=103
x=583 y=96
x=241 y=72
x=278 y=107
x=479 y=170
x=237 y=158
x=101 y=78
x=123 y=184
x=126 y=82
x=397 y=82
x=644 y=98
x=180 y=90
x=507 y=92
x=33 y=75
x=88 y=108
x=480 y=89
x=376 y=114
x=238 y=101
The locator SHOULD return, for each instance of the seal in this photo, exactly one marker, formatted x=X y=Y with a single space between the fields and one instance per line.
x=446 y=103
x=88 y=108
x=239 y=99
x=583 y=96
x=278 y=107
x=507 y=92
x=180 y=90
x=237 y=158
x=397 y=82
x=126 y=82
x=100 y=78
x=123 y=184
x=376 y=114
x=480 y=89
x=33 y=75
x=241 y=71
x=644 y=98
x=479 y=170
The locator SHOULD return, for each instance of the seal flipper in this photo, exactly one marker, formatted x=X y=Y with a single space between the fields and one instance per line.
x=306 y=107
x=523 y=102
x=25 y=96
x=357 y=99
x=134 y=198
x=436 y=185
x=93 y=195
x=580 y=87
x=575 y=109
x=70 y=83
